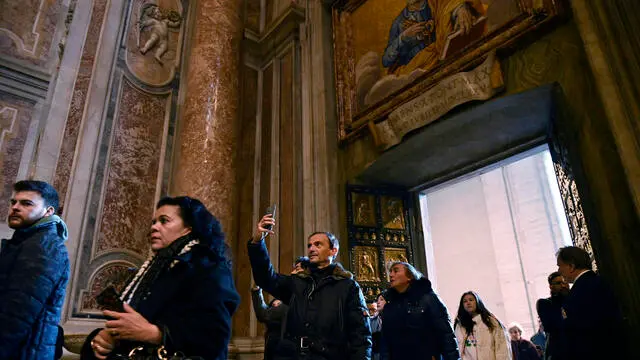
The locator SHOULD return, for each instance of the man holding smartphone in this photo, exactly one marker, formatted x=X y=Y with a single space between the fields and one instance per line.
x=327 y=316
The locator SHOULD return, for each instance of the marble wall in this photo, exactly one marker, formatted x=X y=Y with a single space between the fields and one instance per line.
x=15 y=118
x=32 y=35
x=80 y=92
x=114 y=162
x=29 y=31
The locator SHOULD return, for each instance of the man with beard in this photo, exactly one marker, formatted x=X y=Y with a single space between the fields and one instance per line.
x=327 y=317
x=34 y=270
x=550 y=313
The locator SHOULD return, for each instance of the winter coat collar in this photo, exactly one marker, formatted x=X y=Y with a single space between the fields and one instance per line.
x=338 y=273
x=61 y=229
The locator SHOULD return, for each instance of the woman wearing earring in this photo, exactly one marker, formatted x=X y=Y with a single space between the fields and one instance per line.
x=416 y=324
x=480 y=334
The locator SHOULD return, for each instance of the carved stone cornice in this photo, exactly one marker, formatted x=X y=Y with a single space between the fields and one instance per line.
x=286 y=27
x=23 y=80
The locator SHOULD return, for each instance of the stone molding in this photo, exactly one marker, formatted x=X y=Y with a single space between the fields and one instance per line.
x=23 y=80
x=611 y=44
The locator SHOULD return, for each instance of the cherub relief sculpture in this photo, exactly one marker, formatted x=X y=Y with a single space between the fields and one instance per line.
x=158 y=21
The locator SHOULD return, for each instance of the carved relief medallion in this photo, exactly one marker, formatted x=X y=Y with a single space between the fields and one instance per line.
x=154 y=40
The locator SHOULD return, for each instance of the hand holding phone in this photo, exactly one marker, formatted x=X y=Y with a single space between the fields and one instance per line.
x=261 y=234
x=271 y=210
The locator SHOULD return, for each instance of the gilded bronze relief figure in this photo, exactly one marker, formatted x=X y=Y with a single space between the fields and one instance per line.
x=392 y=212
x=363 y=209
x=366 y=261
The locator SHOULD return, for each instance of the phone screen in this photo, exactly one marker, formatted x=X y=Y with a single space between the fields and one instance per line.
x=271 y=210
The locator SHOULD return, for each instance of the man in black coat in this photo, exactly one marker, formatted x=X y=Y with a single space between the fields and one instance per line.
x=327 y=317
x=34 y=271
x=550 y=313
x=591 y=316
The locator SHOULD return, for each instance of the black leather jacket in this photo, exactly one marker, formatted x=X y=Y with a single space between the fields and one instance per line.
x=416 y=324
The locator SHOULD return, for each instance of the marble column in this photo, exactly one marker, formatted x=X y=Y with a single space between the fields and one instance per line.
x=204 y=165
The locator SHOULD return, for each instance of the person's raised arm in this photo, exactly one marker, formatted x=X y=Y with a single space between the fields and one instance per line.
x=259 y=306
x=263 y=272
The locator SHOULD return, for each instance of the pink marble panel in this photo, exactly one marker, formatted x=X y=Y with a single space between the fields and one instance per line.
x=27 y=28
x=133 y=166
x=15 y=116
x=78 y=100
x=115 y=274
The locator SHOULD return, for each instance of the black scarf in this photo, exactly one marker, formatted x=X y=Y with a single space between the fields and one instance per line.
x=160 y=262
x=318 y=274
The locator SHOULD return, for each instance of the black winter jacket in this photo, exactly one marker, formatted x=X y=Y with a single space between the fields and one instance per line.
x=192 y=304
x=416 y=324
x=34 y=271
x=330 y=311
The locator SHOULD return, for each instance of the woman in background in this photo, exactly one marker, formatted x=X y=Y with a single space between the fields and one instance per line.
x=416 y=325
x=521 y=348
x=481 y=336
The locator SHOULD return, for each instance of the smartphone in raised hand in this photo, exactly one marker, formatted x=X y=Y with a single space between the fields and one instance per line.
x=271 y=210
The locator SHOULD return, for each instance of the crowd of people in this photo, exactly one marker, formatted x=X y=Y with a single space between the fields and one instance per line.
x=181 y=300
x=409 y=320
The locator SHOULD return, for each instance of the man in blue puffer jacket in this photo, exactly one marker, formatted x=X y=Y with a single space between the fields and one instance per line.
x=34 y=271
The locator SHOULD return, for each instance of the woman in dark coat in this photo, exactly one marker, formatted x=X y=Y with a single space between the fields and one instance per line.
x=182 y=298
x=521 y=348
x=416 y=322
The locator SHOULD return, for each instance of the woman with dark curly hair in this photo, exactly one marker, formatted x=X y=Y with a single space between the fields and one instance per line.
x=481 y=336
x=182 y=298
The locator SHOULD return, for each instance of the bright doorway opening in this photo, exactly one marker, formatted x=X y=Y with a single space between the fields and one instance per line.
x=496 y=231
